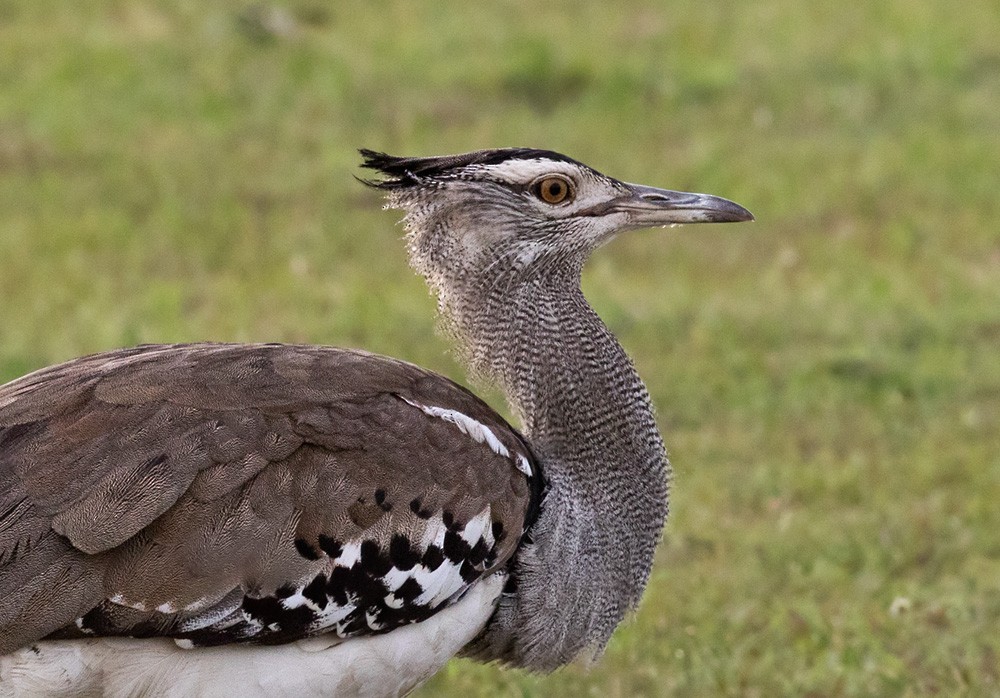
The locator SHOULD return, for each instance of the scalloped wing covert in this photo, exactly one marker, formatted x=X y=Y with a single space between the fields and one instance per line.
x=233 y=493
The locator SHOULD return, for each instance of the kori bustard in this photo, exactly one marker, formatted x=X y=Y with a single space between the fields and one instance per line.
x=266 y=519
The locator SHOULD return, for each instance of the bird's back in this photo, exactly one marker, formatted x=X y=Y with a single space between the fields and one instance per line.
x=220 y=494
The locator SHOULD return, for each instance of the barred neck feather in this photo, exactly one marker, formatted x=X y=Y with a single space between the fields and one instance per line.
x=589 y=419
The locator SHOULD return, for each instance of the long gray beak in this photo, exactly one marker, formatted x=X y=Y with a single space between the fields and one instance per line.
x=650 y=207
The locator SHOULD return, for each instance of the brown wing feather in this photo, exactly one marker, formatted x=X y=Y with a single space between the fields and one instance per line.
x=191 y=490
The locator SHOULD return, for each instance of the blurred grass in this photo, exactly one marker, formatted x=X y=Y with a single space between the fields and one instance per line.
x=828 y=378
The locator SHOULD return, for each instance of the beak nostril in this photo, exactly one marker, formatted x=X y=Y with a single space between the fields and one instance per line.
x=676 y=199
x=651 y=206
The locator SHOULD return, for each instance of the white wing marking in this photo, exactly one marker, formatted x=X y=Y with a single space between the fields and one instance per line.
x=479 y=432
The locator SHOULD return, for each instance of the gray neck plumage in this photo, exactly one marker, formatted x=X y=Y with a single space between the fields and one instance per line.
x=589 y=420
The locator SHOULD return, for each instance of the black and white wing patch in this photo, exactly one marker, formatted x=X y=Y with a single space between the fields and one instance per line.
x=362 y=588
x=264 y=493
x=355 y=588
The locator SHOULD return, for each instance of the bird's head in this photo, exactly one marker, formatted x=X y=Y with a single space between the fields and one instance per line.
x=517 y=208
x=520 y=212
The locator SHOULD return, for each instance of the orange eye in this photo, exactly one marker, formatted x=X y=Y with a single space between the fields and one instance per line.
x=554 y=189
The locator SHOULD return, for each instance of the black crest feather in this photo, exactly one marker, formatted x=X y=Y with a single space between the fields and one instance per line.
x=409 y=171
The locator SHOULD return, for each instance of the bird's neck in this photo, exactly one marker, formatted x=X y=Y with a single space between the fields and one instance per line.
x=589 y=420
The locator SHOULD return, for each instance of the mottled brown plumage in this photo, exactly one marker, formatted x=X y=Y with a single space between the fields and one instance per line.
x=179 y=475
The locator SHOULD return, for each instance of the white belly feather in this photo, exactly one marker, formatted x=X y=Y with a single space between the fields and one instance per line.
x=379 y=665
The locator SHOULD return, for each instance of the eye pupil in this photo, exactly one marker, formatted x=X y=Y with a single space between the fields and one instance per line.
x=553 y=190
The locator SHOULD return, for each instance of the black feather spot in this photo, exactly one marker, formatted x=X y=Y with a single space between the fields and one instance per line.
x=468 y=572
x=409 y=613
x=455 y=547
x=380 y=500
x=339 y=585
x=409 y=590
x=284 y=591
x=306 y=550
x=402 y=554
x=315 y=591
x=373 y=560
x=478 y=552
x=416 y=509
x=330 y=546
x=352 y=625
x=433 y=557
x=370 y=590
x=449 y=520
x=497 y=530
x=269 y=611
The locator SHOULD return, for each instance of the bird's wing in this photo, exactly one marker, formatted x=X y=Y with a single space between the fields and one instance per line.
x=222 y=493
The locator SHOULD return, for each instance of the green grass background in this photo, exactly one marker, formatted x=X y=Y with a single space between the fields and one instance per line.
x=827 y=378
